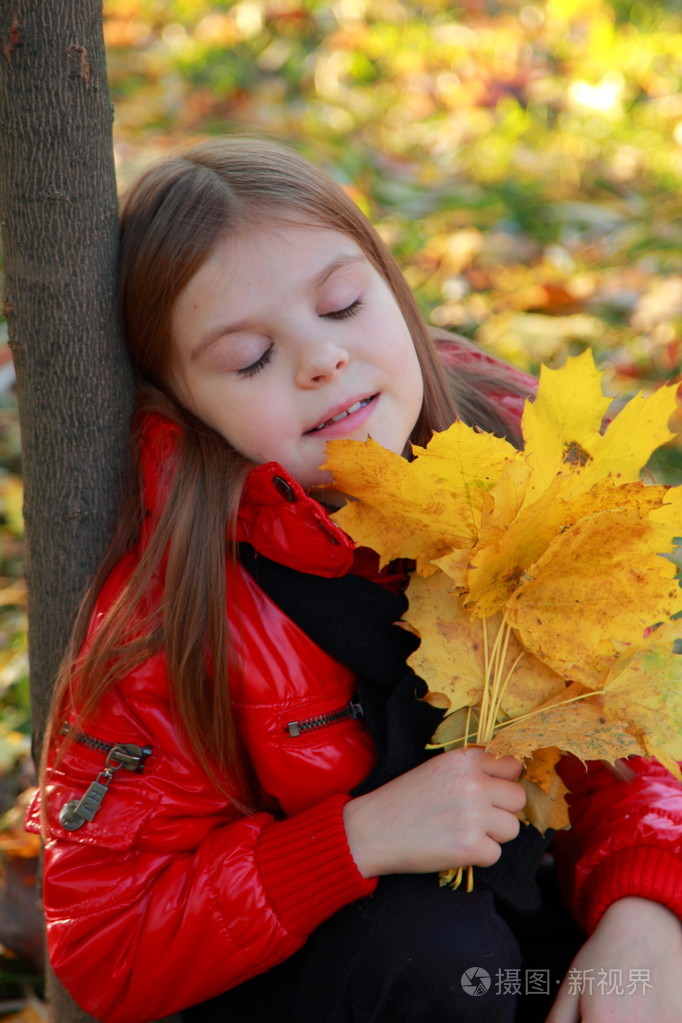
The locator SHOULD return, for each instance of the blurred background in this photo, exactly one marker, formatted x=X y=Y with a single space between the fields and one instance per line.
x=522 y=159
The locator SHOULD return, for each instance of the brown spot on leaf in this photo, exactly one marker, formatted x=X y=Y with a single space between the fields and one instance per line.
x=513 y=576
x=575 y=454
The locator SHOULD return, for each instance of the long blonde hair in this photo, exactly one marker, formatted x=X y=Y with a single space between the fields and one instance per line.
x=171 y=220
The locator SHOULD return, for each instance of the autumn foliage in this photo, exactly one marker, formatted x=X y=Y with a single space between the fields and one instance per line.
x=545 y=593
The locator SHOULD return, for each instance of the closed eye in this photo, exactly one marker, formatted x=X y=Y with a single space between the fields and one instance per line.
x=343 y=314
x=258 y=365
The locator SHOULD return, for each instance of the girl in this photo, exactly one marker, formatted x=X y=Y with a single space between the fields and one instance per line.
x=239 y=822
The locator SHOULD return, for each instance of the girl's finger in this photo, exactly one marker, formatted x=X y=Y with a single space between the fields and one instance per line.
x=508 y=795
x=503 y=826
x=503 y=767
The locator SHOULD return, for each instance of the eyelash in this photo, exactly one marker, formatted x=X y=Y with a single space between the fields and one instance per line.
x=257 y=366
x=343 y=314
x=261 y=363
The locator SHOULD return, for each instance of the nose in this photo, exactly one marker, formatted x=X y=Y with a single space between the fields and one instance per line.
x=320 y=361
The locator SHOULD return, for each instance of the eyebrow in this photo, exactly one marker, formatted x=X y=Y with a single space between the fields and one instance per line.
x=320 y=278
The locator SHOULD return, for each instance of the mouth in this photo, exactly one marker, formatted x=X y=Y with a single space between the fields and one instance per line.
x=351 y=410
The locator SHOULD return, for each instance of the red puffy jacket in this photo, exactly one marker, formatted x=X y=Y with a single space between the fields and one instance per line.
x=169 y=895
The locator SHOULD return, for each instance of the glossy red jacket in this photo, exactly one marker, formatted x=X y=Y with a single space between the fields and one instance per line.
x=170 y=895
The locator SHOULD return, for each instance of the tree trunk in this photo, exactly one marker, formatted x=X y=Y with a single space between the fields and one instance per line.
x=59 y=212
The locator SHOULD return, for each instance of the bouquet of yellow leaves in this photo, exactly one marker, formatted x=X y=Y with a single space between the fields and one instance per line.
x=544 y=593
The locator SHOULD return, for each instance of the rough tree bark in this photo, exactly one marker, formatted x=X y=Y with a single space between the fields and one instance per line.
x=58 y=210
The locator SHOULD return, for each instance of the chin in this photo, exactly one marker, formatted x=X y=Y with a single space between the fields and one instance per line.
x=318 y=481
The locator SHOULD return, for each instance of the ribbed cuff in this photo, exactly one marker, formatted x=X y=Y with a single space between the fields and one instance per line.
x=307 y=869
x=644 y=871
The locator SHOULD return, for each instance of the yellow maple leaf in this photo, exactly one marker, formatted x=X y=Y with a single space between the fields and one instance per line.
x=498 y=568
x=452 y=654
x=670 y=511
x=597 y=586
x=664 y=758
x=417 y=509
x=504 y=501
x=574 y=722
x=543 y=574
x=546 y=805
x=633 y=435
x=561 y=426
x=456 y=565
x=541 y=768
x=647 y=691
x=457 y=730
x=561 y=429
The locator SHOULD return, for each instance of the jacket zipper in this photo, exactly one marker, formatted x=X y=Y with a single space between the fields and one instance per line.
x=352 y=709
x=78 y=812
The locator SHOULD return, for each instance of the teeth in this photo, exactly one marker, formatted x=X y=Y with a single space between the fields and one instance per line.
x=343 y=415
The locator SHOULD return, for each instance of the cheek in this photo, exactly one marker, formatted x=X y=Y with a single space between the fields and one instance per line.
x=258 y=427
x=413 y=389
x=411 y=372
x=416 y=402
x=203 y=399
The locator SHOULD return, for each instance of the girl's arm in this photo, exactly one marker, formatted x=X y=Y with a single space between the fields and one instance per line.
x=627 y=971
x=621 y=864
x=625 y=837
x=162 y=900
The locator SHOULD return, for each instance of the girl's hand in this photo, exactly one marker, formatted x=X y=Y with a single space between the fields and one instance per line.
x=635 y=938
x=452 y=811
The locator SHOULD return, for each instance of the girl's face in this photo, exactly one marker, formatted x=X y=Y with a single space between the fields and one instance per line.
x=287 y=338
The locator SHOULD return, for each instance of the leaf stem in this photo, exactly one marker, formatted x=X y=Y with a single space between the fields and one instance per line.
x=495 y=679
x=466 y=727
x=542 y=710
x=519 y=717
x=485 y=696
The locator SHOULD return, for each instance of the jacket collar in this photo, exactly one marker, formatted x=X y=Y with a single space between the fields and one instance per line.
x=281 y=521
x=276 y=516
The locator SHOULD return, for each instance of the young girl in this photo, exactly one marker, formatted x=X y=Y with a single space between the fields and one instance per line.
x=239 y=821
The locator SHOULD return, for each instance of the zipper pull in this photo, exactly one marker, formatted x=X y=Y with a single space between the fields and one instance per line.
x=74 y=814
x=78 y=812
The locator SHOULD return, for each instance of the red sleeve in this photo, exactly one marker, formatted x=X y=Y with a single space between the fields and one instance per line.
x=166 y=899
x=625 y=838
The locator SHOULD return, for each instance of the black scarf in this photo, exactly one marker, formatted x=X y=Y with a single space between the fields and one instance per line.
x=354 y=620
